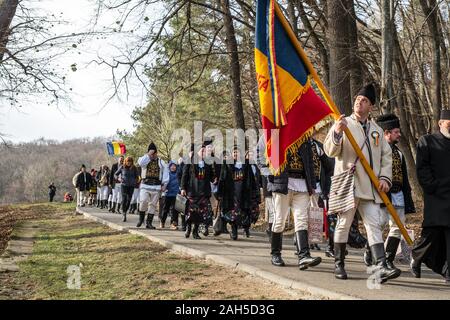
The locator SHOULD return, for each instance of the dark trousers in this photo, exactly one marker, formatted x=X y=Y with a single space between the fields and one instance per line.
x=169 y=204
x=127 y=193
x=433 y=249
x=51 y=196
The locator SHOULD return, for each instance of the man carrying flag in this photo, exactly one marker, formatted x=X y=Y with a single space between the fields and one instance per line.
x=290 y=109
x=370 y=137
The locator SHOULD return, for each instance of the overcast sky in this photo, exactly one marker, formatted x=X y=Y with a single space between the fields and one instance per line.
x=85 y=116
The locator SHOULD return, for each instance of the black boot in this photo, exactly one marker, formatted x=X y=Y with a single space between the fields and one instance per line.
x=383 y=271
x=415 y=268
x=148 y=223
x=234 y=231
x=195 y=231
x=304 y=257
x=101 y=204
x=110 y=205
x=339 y=258
x=113 y=209
x=368 y=259
x=118 y=208
x=224 y=226
x=391 y=251
x=269 y=231
x=124 y=219
x=188 y=227
x=132 y=208
x=329 y=252
x=141 y=219
x=183 y=223
x=247 y=232
x=276 y=247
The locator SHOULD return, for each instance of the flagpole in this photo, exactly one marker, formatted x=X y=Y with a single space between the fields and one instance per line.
x=336 y=115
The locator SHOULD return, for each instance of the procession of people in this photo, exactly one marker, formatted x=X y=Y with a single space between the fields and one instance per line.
x=237 y=185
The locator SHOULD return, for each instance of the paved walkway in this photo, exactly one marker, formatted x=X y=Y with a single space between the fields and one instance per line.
x=252 y=255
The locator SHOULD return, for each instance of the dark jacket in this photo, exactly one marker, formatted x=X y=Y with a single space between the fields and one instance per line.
x=280 y=183
x=129 y=176
x=406 y=188
x=84 y=181
x=433 y=173
x=51 y=189
x=193 y=186
x=226 y=186
x=112 y=177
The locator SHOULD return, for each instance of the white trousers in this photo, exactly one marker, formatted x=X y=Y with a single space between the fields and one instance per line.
x=148 y=200
x=81 y=197
x=117 y=193
x=269 y=209
x=373 y=218
x=104 y=192
x=135 y=197
x=299 y=202
x=394 y=230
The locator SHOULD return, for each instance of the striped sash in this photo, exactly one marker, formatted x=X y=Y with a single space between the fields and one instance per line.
x=342 y=192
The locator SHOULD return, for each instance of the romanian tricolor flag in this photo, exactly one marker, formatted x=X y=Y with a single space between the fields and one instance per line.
x=116 y=148
x=288 y=102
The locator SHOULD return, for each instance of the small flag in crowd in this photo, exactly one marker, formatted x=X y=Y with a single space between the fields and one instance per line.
x=116 y=148
x=288 y=102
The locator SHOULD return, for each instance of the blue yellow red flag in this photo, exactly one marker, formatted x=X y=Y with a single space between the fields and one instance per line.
x=289 y=105
x=116 y=148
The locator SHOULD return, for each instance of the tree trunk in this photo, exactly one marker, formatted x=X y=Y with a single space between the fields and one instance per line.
x=356 y=75
x=387 y=54
x=235 y=69
x=7 y=13
x=430 y=10
x=338 y=40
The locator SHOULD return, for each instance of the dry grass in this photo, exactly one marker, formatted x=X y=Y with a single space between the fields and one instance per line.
x=116 y=265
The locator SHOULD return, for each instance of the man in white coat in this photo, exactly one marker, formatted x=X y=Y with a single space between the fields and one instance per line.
x=369 y=136
x=155 y=177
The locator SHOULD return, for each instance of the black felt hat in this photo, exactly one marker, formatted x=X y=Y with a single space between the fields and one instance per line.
x=152 y=146
x=445 y=115
x=369 y=92
x=388 y=121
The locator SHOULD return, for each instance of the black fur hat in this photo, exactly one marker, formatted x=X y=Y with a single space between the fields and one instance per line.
x=445 y=114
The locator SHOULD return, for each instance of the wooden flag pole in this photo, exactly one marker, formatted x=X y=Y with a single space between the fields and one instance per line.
x=336 y=115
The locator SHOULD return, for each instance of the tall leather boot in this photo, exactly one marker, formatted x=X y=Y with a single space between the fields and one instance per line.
x=98 y=203
x=276 y=247
x=195 y=231
x=141 y=219
x=269 y=231
x=415 y=268
x=118 y=208
x=368 y=259
x=391 y=251
x=148 y=223
x=102 y=206
x=383 y=271
x=329 y=252
x=234 y=231
x=304 y=257
x=188 y=230
x=132 y=208
x=339 y=258
x=124 y=219
x=113 y=208
x=110 y=205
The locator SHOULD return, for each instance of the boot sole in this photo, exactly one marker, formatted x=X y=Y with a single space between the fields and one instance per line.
x=316 y=262
x=341 y=277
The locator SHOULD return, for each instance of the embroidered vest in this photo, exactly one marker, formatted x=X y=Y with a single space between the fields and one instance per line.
x=152 y=173
x=397 y=173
